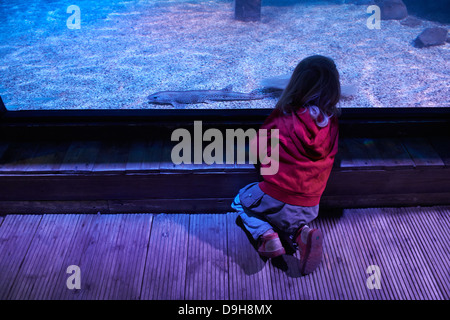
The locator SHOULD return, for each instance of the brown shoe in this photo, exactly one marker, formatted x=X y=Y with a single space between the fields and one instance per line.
x=310 y=246
x=269 y=245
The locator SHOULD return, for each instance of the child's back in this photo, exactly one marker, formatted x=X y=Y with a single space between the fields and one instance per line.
x=288 y=198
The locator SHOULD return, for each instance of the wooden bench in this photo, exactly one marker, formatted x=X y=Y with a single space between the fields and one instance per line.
x=85 y=162
x=139 y=176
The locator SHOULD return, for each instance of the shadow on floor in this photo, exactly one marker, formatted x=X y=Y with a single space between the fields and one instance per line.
x=290 y=262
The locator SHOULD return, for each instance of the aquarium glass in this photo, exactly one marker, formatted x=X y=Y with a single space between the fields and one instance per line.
x=98 y=54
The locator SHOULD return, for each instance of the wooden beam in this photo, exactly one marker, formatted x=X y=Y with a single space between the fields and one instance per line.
x=213 y=191
x=84 y=124
x=216 y=205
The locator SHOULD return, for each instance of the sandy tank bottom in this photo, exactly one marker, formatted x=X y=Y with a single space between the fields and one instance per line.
x=117 y=61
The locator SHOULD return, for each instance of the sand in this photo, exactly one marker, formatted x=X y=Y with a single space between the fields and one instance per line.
x=131 y=49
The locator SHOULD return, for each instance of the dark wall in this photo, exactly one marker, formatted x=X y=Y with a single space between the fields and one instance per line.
x=436 y=10
x=282 y=3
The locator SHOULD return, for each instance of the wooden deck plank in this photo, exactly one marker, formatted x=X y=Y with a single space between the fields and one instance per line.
x=366 y=251
x=395 y=281
x=393 y=153
x=409 y=289
x=121 y=278
x=81 y=156
x=398 y=272
x=44 y=257
x=17 y=156
x=110 y=276
x=287 y=281
x=106 y=254
x=105 y=247
x=208 y=256
x=250 y=276
x=166 y=162
x=374 y=153
x=122 y=272
x=327 y=275
x=444 y=223
x=48 y=156
x=144 y=155
x=92 y=264
x=289 y=284
x=348 y=232
x=207 y=270
x=339 y=260
x=133 y=261
x=422 y=152
x=81 y=252
x=388 y=259
x=165 y=271
x=26 y=280
x=413 y=258
x=319 y=279
x=432 y=239
x=105 y=265
x=345 y=232
x=359 y=153
x=64 y=232
x=322 y=281
x=415 y=255
x=442 y=147
x=16 y=235
x=113 y=156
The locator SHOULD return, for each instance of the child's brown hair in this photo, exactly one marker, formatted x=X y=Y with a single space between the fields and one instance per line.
x=314 y=84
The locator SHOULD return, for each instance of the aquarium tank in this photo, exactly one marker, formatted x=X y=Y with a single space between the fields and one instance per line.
x=218 y=54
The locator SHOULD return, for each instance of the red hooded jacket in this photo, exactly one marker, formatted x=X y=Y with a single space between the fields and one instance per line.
x=306 y=156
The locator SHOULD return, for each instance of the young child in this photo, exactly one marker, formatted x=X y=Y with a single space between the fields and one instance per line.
x=286 y=201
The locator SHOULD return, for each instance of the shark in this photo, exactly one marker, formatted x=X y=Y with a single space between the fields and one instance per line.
x=179 y=99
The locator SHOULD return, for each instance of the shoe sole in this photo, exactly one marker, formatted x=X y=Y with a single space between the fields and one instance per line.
x=313 y=255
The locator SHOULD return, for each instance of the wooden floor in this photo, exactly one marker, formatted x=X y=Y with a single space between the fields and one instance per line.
x=208 y=256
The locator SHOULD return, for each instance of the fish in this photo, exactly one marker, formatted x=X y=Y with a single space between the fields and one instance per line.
x=179 y=99
x=281 y=82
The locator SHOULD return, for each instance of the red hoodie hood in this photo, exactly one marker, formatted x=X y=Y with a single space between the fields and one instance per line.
x=310 y=139
x=301 y=129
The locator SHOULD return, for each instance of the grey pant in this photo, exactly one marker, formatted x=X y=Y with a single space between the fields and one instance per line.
x=260 y=212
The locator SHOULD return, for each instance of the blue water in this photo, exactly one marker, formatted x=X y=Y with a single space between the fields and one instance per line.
x=27 y=25
x=127 y=50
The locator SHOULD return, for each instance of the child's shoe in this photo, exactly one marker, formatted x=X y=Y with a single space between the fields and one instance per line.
x=309 y=242
x=269 y=245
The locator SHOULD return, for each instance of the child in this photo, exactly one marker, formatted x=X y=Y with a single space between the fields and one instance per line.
x=306 y=117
